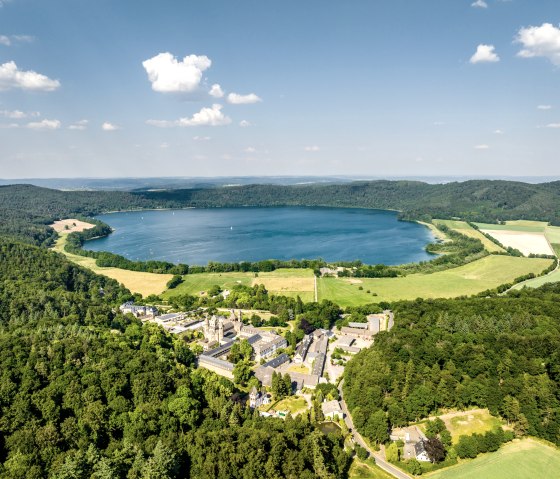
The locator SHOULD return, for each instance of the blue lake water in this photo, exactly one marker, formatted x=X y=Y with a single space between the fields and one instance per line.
x=197 y=236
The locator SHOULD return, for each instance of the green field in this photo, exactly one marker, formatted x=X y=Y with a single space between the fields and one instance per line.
x=525 y=226
x=464 y=228
x=472 y=278
x=287 y=282
x=366 y=470
x=135 y=281
x=520 y=459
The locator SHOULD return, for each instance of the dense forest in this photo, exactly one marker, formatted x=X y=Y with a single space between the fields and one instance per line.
x=26 y=210
x=500 y=353
x=88 y=393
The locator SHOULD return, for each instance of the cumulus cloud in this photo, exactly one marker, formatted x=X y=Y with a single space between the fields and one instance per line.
x=205 y=117
x=544 y=107
x=5 y=40
x=312 y=148
x=485 y=54
x=109 y=126
x=12 y=77
x=237 y=99
x=44 y=125
x=79 y=125
x=481 y=147
x=479 y=4
x=543 y=41
x=19 y=115
x=169 y=75
x=216 y=91
x=244 y=123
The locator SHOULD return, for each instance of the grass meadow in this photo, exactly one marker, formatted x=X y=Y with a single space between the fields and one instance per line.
x=520 y=459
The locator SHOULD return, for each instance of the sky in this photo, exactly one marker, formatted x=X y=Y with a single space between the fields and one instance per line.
x=114 y=88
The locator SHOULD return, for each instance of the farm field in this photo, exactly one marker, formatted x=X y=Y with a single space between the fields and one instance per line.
x=287 y=282
x=465 y=229
x=520 y=459
x=486 y=273
x=135 y=281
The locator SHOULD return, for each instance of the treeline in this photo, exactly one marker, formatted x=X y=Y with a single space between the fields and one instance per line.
x=86 y=392
x=26 y=210
x=499 y=353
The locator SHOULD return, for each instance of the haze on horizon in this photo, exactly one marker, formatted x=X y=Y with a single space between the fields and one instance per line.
x=366 y=88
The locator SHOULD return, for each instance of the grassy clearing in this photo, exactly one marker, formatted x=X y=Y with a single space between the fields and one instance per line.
x=486 y=273
x=294 y=404
x=471 y=422
x=520 y=459
x=135 y=281
x=196 y=283
x=366 y=470
x=465 y=229
x=523 y=226
x=287 y=282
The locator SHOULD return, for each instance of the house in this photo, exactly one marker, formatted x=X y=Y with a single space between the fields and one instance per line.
x=138 y=311
x=332 y=410
x=257 y=398
x=420 y=451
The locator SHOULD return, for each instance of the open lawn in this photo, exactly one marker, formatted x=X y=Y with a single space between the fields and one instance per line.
x=294 y=404
x=289 y=282
x=366 y=470
x=197 y=283
x=520 y=459
x=135 y=281
x=523 y=226
x=465 y=229
x=486 y=273
x=286 y=282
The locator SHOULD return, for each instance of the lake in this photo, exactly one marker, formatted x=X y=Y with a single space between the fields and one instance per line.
x=197 y=236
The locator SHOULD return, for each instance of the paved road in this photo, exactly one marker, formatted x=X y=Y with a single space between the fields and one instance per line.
x=357 y=437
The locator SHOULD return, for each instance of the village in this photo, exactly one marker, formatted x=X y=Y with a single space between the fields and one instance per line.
x=318 y=359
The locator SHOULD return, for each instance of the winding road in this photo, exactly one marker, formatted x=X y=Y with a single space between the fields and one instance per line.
x=358 y=439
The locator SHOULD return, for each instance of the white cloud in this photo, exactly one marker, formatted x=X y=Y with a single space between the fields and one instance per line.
x=544 y=107
x=4 y=40
x=543 y=41
x=553 y=125
x=250 y=149
x=202 y=138
x=164 y=145
x=12 y=77
x=109 y=126
x=205 y=117
x=312 y=148
x=79 y=125
x=23 y=38
x=485 y=54
x=216 y=91
x=481 y=147
x=237 y=99
x=498 y=132
x=244 y=124
x=19 y=115
x=168 y=75
x=44 y=125
x=479 y=4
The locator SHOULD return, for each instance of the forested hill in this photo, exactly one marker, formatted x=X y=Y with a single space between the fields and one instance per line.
x=25 y=209
x=498 y=353
x=88 y=393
